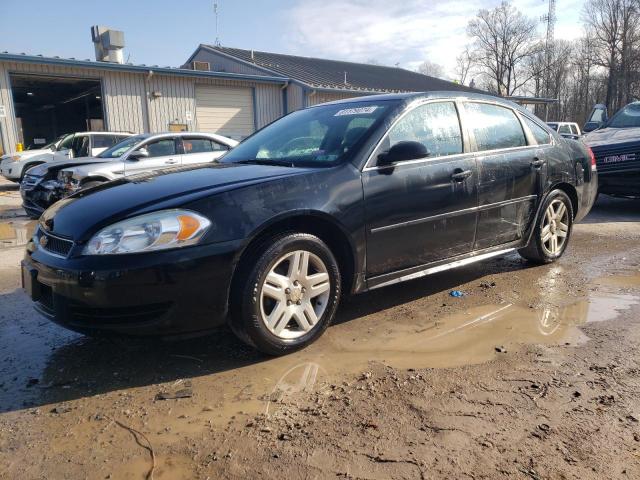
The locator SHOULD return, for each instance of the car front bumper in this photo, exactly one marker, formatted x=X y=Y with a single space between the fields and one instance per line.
x=10 y=170
x=625 y=183
x=181 y=291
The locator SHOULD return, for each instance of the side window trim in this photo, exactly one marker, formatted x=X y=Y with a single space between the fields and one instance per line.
x=370 y=163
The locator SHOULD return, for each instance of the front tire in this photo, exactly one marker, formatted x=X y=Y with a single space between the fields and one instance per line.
x=552 y=230
x=287 y=294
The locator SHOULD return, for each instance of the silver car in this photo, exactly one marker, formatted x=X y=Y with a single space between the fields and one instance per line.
x=48 y=183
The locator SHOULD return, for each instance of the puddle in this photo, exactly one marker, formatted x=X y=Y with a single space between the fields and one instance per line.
x=629 y=280
x=16 y=232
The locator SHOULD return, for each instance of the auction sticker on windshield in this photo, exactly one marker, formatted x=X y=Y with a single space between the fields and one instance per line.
x=356 y=111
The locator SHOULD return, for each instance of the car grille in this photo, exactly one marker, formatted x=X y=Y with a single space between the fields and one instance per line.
x=617 y=157
x=92 y=316
x=55 y=245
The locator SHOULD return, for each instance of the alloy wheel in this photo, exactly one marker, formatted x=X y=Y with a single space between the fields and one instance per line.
x=294 y=294
x=555 y=228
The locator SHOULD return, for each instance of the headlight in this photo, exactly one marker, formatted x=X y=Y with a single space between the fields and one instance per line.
x=153 y=231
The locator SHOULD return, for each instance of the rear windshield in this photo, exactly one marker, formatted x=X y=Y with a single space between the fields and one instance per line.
x=119 y=148
x=629 y=116
x=317 y=136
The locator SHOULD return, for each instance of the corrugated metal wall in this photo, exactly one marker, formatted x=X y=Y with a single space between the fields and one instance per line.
x=295 y=97
x=125 y=102
x=220 y=63
x=323 y=97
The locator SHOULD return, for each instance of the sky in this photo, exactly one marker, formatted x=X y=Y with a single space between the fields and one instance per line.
x=166 y=32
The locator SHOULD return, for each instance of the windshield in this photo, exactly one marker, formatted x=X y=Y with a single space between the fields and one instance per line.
x=318 y=136
x=119 y=148
x=629 y=116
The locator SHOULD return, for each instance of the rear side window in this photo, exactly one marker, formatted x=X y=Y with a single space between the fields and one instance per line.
x=435 y=125
x=539 y=133
x=494 y=127
x=103 y=141
x=201 y=145
x=574 y=130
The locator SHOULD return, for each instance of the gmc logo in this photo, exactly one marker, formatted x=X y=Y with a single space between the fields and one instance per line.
x=619 y=158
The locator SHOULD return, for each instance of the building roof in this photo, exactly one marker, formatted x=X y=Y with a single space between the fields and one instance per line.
x=140 y=68
x=333 y=74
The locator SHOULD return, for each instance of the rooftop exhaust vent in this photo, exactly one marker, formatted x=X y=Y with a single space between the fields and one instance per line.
x=108 y=44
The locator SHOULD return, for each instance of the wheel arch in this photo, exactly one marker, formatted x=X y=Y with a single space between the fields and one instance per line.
x=93 y=178
x=571 y=192
x=315 y=223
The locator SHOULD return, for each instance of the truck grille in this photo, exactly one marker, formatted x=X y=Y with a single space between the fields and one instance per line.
x=621 y=157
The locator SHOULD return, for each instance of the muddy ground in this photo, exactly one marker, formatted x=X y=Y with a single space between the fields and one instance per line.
x=534 y=373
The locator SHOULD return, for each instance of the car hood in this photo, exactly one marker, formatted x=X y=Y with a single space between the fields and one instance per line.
x=81 y=215
x=42 y=170
x=26 y=153
x=605 y=136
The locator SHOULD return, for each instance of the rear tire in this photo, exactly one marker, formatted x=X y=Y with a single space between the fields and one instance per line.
x=552 y=231
x=286 y=295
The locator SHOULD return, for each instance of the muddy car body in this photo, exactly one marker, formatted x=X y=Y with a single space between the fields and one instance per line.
x=335 y=199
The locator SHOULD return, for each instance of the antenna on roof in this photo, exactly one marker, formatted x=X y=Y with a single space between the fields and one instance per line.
x=345 y=78
x=215 y=12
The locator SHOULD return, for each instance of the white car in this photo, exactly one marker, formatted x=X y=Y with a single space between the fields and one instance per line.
x=46 y=184
x=14 y=165
x=566 y=129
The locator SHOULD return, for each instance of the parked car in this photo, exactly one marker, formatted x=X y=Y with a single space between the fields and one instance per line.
x=44 y=185
x=566 y=129
x=75 y=145
x=335 y=199
x=616 y=145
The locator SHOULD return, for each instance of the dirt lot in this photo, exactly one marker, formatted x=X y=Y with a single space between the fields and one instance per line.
x=534 y=373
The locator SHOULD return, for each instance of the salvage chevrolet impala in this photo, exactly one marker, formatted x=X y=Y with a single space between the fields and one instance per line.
x=336 y=199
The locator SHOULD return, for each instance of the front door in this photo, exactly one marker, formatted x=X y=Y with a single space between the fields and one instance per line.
x=162 y=153
x=423 y=210
x=509 y=170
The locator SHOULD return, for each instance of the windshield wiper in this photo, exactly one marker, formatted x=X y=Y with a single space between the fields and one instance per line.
x=260 y=161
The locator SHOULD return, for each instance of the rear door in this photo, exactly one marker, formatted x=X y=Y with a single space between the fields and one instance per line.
x=424 y=210
x=197 y=149
x=509 y=169
x=163 y=153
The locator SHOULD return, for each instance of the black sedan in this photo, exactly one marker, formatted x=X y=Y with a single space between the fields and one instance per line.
x=336 y=199
x=616 y=145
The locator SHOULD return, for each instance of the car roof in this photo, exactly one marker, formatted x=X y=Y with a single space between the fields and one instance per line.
x=431 y=95
x=95 y=133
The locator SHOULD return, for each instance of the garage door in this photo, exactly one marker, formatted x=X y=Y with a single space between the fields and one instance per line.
x=226 y=111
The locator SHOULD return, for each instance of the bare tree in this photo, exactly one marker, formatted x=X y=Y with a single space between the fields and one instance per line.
x=503 y=41
x=432 y=69
x=464 y=66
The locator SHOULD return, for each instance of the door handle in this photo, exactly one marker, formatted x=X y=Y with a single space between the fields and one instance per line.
x=461 y=175
x=537 y=163
x=171 y=161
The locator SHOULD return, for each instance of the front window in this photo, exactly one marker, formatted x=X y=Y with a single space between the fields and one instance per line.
x=628 y=117
x=120 y=148
x=317 y=136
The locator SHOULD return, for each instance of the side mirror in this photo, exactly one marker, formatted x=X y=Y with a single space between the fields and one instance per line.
x=403 y=151
x=138 y=154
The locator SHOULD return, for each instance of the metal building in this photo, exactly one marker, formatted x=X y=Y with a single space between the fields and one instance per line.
x=222 y=90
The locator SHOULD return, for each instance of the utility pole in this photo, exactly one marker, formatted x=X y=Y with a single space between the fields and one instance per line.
x=215 y=12
x=550 y=20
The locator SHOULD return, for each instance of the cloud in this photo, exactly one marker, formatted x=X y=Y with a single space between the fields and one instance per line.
x=406 y=32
